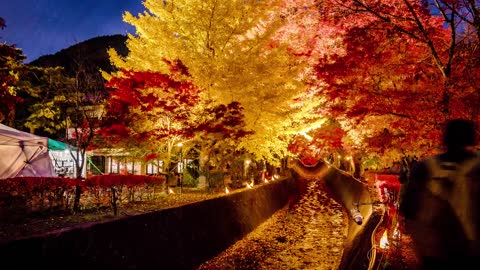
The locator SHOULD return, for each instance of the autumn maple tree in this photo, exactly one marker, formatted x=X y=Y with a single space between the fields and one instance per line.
x=151 y=113
x=387 y=73
x=403 y=69
x=322 y=143
x=235 y=51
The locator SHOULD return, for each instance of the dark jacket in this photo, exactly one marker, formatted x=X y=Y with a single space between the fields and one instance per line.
x=440 y=204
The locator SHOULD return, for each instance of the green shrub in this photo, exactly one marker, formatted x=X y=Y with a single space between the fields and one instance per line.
x=189 y=180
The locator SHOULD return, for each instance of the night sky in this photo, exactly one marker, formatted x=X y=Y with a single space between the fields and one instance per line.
x=41 y=27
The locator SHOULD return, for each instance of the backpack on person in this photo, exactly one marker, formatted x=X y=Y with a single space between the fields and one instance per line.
x=454 y=182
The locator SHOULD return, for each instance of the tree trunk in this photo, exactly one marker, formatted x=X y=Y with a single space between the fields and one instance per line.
x=76 y=202
x=114 y=201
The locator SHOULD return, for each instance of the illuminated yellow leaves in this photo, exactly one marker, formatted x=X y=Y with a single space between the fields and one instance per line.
x=233 y=52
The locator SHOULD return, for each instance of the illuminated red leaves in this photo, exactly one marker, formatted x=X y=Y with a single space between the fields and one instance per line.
x=115 y=130
x=323 y=141
x=148 y=97
x=150 y=107
x=118 y=180
x=225 y=121
x=392 y=82
x=169 y=93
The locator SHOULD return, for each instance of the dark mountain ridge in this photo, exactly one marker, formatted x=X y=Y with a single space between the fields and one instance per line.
x=90 y=54
x=82 y=61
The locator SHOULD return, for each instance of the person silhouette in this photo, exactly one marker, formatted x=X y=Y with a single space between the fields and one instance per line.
x=440 y=202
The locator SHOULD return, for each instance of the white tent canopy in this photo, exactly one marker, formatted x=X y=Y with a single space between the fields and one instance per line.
x=23 y=154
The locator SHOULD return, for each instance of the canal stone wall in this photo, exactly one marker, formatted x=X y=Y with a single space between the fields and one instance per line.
x=352 y=194
x=176 y=238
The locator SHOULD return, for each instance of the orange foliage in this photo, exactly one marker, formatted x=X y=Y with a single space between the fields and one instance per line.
x=393 y=84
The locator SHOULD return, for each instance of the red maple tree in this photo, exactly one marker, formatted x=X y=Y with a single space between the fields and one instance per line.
x=151 y=112
x=402 y=71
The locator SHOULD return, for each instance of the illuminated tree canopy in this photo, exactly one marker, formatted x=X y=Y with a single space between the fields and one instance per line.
x=235 y=51
x=386 y=74
x=150 y=113
x=406 y=67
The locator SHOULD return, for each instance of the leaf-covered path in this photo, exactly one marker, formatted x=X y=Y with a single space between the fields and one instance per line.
x=306 y=235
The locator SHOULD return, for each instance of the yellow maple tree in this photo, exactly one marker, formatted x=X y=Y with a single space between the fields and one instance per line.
x=233 y=52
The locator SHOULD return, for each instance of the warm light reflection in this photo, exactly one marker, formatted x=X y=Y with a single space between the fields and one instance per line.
x=266 y=180
x=276 y=176
x=226 y=190
x=396 y=234
x=384 y=240
x=308 y=137
x=170 y=191
x=250 y=185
